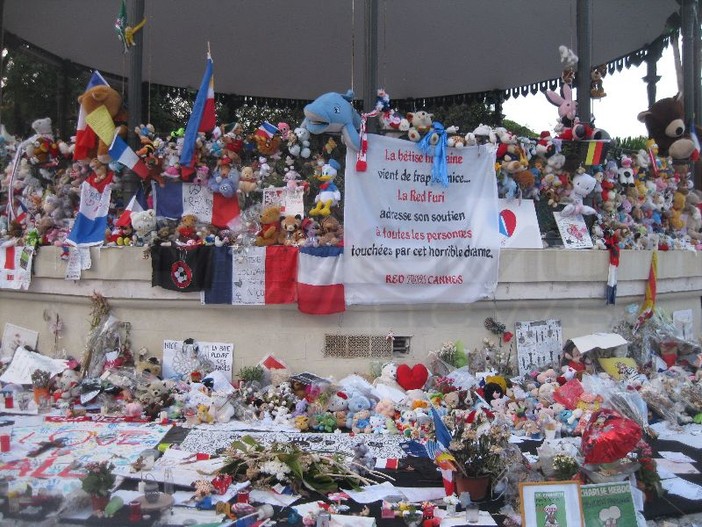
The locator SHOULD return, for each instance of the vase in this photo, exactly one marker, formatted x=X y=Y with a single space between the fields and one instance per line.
x=477 y=486
x=99 y=502
x=40 y=394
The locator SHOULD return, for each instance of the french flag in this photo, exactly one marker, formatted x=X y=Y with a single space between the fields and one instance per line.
x=320 y=284
x=175 y=199
x=121 y=152
x=136 y=204
x=266 y=130
x=85 y=136
x=264 y=275
x=202 y=118
x=91 y=221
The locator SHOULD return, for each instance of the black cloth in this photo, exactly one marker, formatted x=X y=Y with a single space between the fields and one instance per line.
x=180 y=268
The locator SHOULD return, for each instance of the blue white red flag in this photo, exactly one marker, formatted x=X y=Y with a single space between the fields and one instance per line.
x=175 y=199
x=136 y=204
x=91 y=221
x=121 y=152
x=320 y=283
x=202 y=118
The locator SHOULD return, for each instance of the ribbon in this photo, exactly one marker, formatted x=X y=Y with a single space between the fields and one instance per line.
x=434 y=143
x=361 y=162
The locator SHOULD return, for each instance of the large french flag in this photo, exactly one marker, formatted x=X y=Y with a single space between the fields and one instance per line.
x=320 y=283
x=175 y=199
x=202 y=118
x=262 y=275
x=85 y=136
x=136 y=204
x=91 y=221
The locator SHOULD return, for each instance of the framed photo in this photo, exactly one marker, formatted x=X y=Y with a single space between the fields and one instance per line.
x=609 y=504
x=551 y=504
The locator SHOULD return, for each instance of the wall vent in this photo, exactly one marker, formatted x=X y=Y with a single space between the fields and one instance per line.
x=358 y=346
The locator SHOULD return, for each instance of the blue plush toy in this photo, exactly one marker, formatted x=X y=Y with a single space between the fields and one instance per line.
x=333 y=112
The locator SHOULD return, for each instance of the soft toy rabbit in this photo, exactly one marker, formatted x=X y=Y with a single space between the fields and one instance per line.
x=566 y=105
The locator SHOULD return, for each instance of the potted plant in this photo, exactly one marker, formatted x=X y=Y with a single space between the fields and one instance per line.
x=41 y=381
x=98 y=482
x=250 y=374
x=478 y=445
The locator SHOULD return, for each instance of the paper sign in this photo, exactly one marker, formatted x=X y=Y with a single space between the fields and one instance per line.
x=86 y=261
x=25 y=362
x=539 y=345
x=180 y=360
x=289 y=200
x=519 y=228
x=15 y=336
x=598 y=340
x=608 y=504
x=74 y=264
x=249 y=277
x=573 y=231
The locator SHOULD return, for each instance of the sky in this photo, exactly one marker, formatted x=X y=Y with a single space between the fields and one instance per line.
x=616 y=113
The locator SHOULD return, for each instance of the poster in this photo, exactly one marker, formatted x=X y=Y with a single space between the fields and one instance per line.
x=183 y=357
x=573 y=231
x=25 y=362
x=519 y=228
x=551 y=504
x=289 y=200
x=608 y=504
x=15 y=336
x=539 y=345
x=408 y=240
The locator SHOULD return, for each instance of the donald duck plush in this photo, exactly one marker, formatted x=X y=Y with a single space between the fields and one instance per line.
x=329 y=195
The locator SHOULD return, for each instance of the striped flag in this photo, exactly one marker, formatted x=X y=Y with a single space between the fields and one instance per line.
x=595 y=152
x=86 y=139
x=175 y=199
x=121 y=152
x=260 y=276
x=15 y=267
x=266 y=130
x=649 y=303
x=91 y=221
x=320 y=284
x=202 y=118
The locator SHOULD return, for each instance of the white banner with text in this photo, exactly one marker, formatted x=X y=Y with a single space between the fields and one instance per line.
x=408 y=240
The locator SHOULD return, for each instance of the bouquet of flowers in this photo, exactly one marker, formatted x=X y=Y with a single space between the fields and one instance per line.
x=99 y=478
x=288 y=464
x=478 y=443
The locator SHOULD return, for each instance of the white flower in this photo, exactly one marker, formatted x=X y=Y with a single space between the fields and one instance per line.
x=276 y=468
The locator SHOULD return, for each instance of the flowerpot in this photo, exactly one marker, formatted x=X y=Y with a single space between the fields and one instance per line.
x=476 y=486
x=99 y=502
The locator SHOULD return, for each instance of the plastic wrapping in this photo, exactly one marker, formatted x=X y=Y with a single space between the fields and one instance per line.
x=627 y=402
x=609 y=437
x=659 y=402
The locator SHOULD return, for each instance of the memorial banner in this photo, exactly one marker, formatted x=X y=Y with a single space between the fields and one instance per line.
x=407 y=240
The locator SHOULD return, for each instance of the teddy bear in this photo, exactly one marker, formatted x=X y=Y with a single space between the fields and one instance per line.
x=420 y=123
x=596 y=75
x=388 y=377
x=186 y=230
x=144 y=225
x=358 y=404
x=361 y=422
x=268 y=234
x=248 y=181
x=92 y=99
x=146 y=363
x=665 y=122
x=330 y=232
x=291 y=233
x=694 y=216
x=299 y=143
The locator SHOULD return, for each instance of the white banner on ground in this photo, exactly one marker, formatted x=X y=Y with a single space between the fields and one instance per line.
x=408 y=240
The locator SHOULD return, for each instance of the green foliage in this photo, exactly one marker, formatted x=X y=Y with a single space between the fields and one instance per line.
x=518 y=129
x=251 y=373
x=99 y=479
x=466 y=116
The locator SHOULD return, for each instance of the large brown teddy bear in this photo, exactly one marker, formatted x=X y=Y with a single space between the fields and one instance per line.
x=92 y=99
x=665 y=122
x=270 y=227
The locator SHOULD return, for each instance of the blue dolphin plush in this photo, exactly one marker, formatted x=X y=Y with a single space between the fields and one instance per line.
x=333 y=112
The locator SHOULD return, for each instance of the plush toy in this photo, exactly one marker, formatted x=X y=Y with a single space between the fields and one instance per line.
x=694 y=216
x=291 y=233
x=334 y=112
x=330 y=232
x=270 y=227
x=566 y=105
x=145 y=363
x=186 y=230
x=329 y=195
x=144 y=225
x=248 y=181
x=299 y=143
x=358 y=403
x=596 y=76
x=388 y=376
x=665 y=122
x=267 y=139
x=361 y=422
x=583 y=185
x=420 y=123
x=92 y=99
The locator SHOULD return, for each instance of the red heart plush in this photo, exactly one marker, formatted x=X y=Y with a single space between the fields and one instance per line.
x=412 y=378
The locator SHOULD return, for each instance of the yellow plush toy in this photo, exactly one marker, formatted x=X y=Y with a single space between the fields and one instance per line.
x=270 y=227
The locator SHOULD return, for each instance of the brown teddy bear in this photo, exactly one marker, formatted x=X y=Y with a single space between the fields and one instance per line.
x=665 y=122
x=330 y=232
x=270 y=227
x=187 y=230
x=92 y=99
x=291 y=233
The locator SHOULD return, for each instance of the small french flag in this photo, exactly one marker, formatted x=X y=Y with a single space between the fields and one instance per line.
x=136 y=204
x=267 y=130
x=121 y=152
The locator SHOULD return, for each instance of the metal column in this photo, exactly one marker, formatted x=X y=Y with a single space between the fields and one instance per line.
x=584 y=26
x=134 y=90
